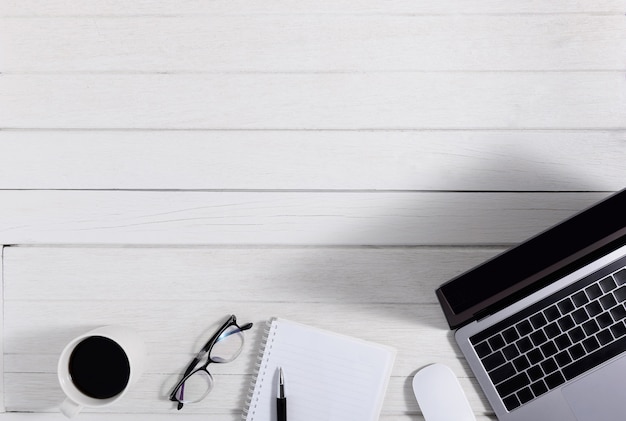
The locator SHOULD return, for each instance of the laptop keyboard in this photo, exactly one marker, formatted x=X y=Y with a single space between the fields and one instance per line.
x=556 y=339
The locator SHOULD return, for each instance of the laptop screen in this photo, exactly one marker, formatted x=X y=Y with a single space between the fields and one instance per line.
x=536 y=262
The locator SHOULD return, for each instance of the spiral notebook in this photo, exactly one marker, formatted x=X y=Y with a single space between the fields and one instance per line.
x=328 y=376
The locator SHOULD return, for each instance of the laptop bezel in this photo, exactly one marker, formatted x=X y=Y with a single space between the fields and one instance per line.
x=463 y=334
x=610 y=209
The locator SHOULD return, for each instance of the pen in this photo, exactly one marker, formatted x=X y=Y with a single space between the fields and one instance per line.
x=281 y=400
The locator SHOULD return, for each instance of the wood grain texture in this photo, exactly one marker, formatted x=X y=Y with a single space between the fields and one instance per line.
x=340 y=288
x=40 y=281
x=305 y=43
x=320 y=274
x=2 y=363
x=315 y=101
x=310 y=160
x=292 y=142
x=166 y=337
x=219 y=7
x=16 y=416
x=287 y=218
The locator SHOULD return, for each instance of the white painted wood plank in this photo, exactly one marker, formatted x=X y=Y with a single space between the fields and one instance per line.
x=173 y=363
x=29 y=388
x=328 y=160
x=2 y=366
x=315 y=218
x=177 y=329
x=31 y=364
x=29 y=327
x=22 y=416
x=304 y=275
x=315 y=101
x=220 y=7
x=304 y=43
x=338 y=283
x=227 y=396
x=208 y=292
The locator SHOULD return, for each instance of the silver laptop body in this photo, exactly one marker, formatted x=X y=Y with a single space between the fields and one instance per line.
x=543 y=324
x=528 y=377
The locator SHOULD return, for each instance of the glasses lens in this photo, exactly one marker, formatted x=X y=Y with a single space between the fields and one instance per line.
x=228 y=345
x=195 y=388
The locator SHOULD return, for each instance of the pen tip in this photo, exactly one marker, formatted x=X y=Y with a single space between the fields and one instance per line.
x=281 y=383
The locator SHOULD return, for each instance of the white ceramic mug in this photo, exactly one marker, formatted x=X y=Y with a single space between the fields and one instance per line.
x=97 y=368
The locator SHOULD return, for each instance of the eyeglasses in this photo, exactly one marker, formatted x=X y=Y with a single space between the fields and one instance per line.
x=223 y=347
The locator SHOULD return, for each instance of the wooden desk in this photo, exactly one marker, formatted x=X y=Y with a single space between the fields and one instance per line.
x=165 y=164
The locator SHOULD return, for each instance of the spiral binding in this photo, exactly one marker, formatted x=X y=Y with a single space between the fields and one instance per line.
x=259 y=372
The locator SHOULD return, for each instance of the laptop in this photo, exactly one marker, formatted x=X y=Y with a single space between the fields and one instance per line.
x=543 y=325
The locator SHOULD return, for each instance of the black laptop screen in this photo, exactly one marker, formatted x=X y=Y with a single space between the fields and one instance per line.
x=515 y=270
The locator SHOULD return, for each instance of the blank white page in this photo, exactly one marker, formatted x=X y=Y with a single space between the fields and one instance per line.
x=328 y=376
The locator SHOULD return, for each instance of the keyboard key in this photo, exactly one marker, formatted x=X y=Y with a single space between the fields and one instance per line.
x=525 y=395
x=592 y=360
x=548 y=366
x=577 y=351
x=607 y=301
x=620 y=277
x=563 y=341
x=580 y=316
x=538 y=320
x=502 y=373
x=590 y=327
x=524 y=327
x=618 y=313
x=565 y=306
x=510 y=352
x=524 y=345
x=521 y=363
x=604 y=320
x=549 y=349
x=496 y=342
x=604 y=337
x=620 y=294
x=593 y=291
x=493 y=361
x=511 y=402
x=566 y=323
x=552 y=313
x=618 y=330
x=580 y=299
x=538 y=337
x=577 y=334
x=510 y=335
x=552 y=330
x=563 y=358
x=593 y=308
x=482 y=349
x=591 y=344
x=535 y=356
x=535 y=373
x=539 y=388
x=513 y=384
x=554 y=380
x=607 y=284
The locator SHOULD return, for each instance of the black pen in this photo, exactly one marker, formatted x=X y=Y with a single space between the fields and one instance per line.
x=281 y=400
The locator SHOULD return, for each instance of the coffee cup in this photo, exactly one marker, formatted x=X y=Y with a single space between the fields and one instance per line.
x=96 y=368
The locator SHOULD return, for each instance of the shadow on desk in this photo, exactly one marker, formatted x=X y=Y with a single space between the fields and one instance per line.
x=413 y=241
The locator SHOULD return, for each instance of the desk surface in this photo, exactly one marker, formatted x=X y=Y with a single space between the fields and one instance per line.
x=164 y=164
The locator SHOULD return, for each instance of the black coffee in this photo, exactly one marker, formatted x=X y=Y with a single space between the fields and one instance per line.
x=99 y=367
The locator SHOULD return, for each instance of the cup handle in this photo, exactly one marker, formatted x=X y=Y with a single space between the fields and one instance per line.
x=69 y=408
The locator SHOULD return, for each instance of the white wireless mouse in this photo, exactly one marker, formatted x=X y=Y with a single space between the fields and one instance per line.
x=440 y=396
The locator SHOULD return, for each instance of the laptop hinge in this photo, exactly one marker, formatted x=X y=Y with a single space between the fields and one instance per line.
x=482 y=315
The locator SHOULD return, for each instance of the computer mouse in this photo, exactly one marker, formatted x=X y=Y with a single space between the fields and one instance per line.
x=440 y=396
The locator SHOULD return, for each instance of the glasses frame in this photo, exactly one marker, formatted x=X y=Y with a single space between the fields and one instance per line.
x=206 y=350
